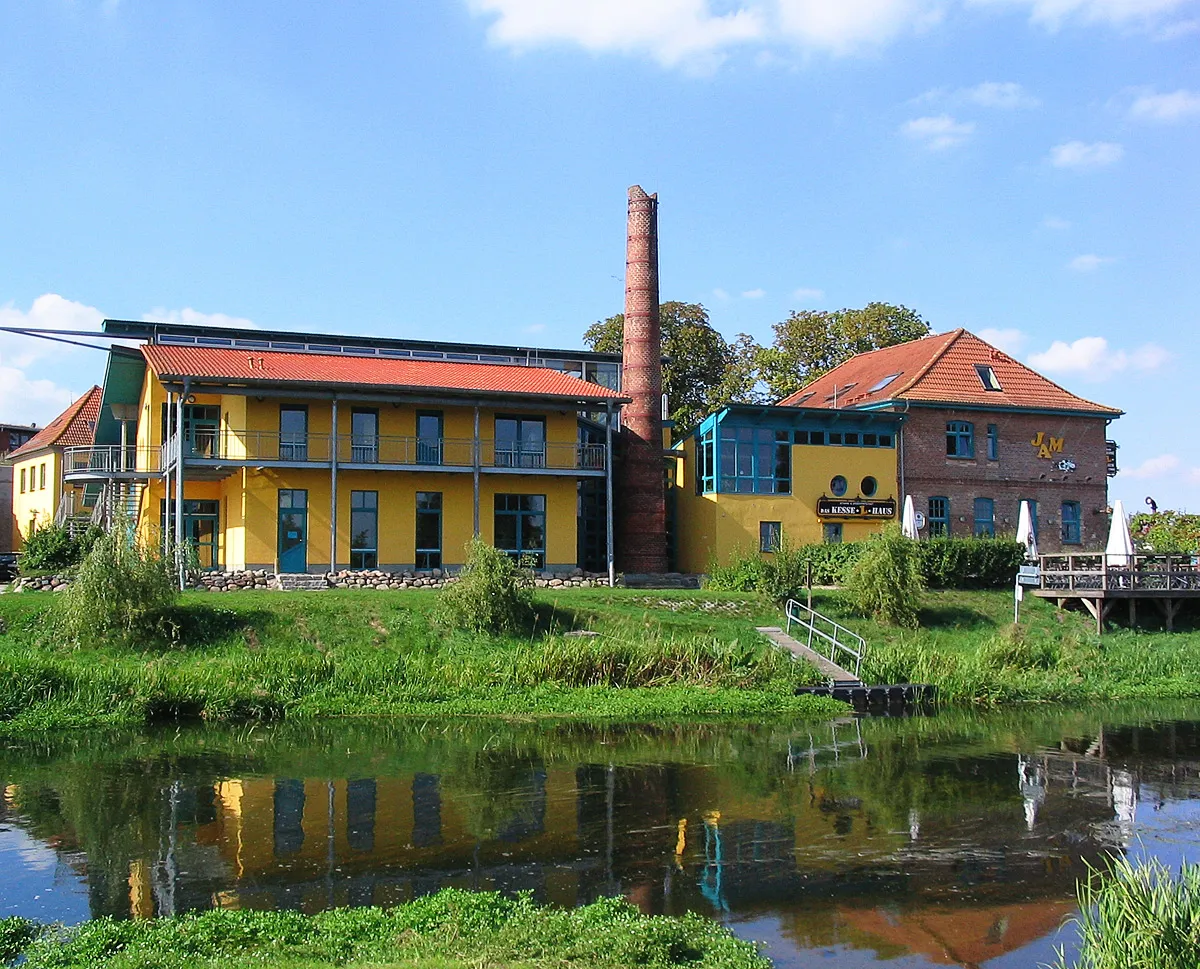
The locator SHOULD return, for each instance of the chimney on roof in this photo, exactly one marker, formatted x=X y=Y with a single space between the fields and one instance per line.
x=642 y=500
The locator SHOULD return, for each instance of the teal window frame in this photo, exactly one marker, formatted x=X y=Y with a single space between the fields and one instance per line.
x=528 y=513
x=754 y=460
x=985 y=518
x=938 y=517
x=993 y=442
x=960 y=439
x=429 y=515
x=831 y=533
x=706 y=462
x=364 y=529
x=1033 y=514
x=1072 y=523
x=770 y=536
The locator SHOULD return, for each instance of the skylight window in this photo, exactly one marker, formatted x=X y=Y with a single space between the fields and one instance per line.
x=988 y=377
x=883 y=383
x=801 y=399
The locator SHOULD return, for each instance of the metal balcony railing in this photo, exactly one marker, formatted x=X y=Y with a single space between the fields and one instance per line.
x=355 y=449
x=107 y=460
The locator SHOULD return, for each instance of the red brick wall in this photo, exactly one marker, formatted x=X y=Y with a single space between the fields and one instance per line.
x=1018 y=474
x=642 y=511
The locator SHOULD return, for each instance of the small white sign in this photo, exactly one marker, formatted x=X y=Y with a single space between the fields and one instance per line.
x=1029 y=575
x=919 y=520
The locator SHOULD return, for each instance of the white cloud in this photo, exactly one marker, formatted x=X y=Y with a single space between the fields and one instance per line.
x=1055 y=222
x=697 y=34
x=48 y=312
x=1011 y=341
x=1004 y=95
x=1079 y=154
x=668 y=30
x=720 y=294
x=26 y=401
x=1166 y=108
x=1089 y=263
x=1054 y=13
x=1153 y=467
x=806 y=295
x=754 y=294
x=195 y=318
x=1091 y=357
x=939 y=132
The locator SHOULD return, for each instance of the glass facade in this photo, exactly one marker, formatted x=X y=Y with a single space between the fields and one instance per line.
x=755 y=460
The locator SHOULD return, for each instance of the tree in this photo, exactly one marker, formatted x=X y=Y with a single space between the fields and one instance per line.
x=703 y=371
x=810 y=343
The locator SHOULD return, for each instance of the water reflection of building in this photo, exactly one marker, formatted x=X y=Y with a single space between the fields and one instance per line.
x=892 y=848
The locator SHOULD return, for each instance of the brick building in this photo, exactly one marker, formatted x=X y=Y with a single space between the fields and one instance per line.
x=982 y=432
x=12 y=436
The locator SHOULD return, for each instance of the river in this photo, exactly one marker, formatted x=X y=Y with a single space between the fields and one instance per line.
x=947 y=840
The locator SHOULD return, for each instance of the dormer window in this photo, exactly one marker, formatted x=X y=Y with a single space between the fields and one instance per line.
x=987 y=377
x=883 y=383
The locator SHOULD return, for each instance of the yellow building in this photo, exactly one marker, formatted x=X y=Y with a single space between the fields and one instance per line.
x=750 y=477
x=301 y=453
x=40 y=494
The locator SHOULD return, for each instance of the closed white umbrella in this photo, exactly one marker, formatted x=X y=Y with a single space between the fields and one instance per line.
x=1025 y=535
x=908 y=520
x=1119 y=550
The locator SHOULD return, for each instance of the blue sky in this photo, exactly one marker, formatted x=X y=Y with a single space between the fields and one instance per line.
x=457 y=169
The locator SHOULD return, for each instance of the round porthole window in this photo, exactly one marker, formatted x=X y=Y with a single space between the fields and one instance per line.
x=838 y=486
x=869 y=486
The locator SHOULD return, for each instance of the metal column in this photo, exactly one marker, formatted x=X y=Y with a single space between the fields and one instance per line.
x=476 y=457
x=608 y=490
x=333 y=492
x=180 y=564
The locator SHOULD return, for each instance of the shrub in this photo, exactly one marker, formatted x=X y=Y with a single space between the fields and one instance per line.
x=886 y=582
x=122 y=590
x=970 y=563
x=51 y=548
x=491 y=595
x=1014 y=650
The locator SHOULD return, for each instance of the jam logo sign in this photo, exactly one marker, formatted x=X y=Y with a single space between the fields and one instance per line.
x=1046 y=445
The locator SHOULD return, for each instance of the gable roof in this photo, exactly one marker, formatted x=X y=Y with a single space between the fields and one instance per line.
x=268 y=367
x=76 y=426
x=940 y=369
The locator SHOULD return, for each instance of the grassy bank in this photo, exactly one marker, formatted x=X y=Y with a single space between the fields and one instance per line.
x=259 y=656
x=449 y=930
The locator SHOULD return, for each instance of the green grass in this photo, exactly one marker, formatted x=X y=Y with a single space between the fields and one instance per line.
x=1138 y=917
x=448 y=930
x=258 y=656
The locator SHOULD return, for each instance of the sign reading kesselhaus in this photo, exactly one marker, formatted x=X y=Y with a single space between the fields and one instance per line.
x=855 y=508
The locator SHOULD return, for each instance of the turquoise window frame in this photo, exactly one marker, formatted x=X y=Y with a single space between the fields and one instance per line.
x=938 y=517
x=960 y=439
x=985 y=518
x=1072 y=523
x=754 y=460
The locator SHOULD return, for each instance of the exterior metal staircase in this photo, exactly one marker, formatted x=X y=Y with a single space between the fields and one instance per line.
x=118 y=497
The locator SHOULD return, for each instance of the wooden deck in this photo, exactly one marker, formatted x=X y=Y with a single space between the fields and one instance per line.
x=1164 y=580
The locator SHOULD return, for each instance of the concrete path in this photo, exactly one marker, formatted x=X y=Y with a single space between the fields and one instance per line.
x=828 y=669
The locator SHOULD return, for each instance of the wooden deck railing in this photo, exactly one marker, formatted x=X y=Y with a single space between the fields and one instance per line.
x=1092 y=572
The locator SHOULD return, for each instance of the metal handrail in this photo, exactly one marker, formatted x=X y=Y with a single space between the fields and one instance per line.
x=109 y=459
x=856 y=648
x=1092 y=572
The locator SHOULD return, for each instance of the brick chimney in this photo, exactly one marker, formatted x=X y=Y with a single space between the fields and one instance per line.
x=641 y=501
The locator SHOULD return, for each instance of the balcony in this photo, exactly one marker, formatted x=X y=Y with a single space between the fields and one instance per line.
x=107 y=461
x=239 y=448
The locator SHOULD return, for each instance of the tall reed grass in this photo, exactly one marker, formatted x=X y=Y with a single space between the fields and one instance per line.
x=1138 y=917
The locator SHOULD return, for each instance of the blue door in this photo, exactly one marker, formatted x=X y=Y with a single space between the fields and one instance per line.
x=293 y=530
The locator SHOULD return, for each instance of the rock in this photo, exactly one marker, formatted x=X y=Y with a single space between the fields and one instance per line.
x=581 y=634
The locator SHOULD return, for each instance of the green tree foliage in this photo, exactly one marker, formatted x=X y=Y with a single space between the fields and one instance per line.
x=122 y=591
x=810 y=343
x=491 y=595
x=51 y=548
x=703 y=372
x=887 y=580
x=1166 y=531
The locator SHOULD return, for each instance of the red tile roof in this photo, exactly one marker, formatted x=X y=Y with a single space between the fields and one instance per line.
x=939 y=369
x=74 y=427
x=269 y=367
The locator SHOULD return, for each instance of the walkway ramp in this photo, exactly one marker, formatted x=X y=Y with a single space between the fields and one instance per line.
x=831 y=671
x=827 y=644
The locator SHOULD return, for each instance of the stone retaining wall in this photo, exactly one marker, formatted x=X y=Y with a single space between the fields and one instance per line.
x=41 y=583
x=237 y=581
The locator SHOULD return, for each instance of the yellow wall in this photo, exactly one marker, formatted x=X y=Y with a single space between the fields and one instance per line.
x=711 y=527
x=38 y=503
x=249 y=499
